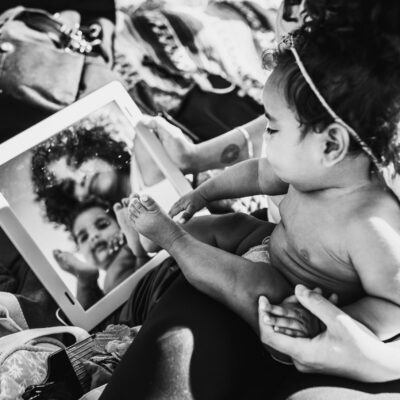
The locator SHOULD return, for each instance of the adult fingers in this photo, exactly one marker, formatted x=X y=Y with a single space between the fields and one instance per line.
x=162 y=127
x=322 y=308
x=280 y=311
x=291 y=299
x=283 y=343
x=285 y=323
x=290 y=332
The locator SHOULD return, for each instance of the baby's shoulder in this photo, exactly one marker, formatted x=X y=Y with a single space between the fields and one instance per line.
x=376 y=205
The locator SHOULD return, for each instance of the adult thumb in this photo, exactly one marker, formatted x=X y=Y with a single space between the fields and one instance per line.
x=318 y=305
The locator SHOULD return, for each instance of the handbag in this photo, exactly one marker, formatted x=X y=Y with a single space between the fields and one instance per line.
x=50 y=61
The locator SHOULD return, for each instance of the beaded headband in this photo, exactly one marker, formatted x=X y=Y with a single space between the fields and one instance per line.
x=288 y=43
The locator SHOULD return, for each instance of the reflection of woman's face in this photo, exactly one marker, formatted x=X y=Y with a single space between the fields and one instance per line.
x=93 y=231
x=94 y=176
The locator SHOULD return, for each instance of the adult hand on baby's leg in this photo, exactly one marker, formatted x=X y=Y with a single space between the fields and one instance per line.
x=345 y=348
x=85 y=272
x=290 y=318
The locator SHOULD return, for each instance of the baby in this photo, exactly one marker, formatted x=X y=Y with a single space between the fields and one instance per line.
x=100 y=240
x=340 y=228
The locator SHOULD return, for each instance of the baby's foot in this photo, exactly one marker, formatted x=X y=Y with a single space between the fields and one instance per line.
x=81 y=269
x=131 y=235
x=150 y=221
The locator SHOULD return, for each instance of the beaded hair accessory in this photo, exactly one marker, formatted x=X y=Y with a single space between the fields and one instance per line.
x=288 y=43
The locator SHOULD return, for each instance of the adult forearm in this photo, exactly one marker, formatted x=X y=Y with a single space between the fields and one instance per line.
x=390 y=361
x=376 y=362
x=380 y=316
x=229 y=148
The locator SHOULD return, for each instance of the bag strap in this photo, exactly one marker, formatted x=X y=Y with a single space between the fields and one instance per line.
x=42 y=22
x=20 y=338
x=10 y=14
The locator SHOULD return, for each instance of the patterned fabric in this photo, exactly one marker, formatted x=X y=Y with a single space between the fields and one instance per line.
x=259 y=253
x=109 y=347
x=25 y=366
x=153 y=86
x=169 y=48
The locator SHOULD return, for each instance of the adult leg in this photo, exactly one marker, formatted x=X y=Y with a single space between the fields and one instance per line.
x=191 y=346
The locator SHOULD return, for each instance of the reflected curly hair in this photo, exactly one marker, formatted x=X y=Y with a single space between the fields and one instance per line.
x=83 y=141
x=351 y=50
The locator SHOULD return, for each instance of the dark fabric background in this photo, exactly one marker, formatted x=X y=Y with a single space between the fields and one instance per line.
x=89 y=9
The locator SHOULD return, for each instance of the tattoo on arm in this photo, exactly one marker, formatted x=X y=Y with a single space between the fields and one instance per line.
x=230 y=154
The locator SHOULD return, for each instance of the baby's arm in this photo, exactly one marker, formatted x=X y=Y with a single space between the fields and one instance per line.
x=247 y=178
x=374 y=248
x=88 y=291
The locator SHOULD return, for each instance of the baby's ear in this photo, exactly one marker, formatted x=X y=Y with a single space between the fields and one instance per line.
x=336 y=141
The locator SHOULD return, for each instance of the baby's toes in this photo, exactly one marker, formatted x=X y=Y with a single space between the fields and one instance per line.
x=132 y=211
x=138 y=206
x=120 y=213
x=117 y=207
x=125 y=202
x=149 y=203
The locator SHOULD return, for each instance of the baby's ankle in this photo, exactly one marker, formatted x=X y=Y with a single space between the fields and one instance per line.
x=174 y=239
x=148 y=245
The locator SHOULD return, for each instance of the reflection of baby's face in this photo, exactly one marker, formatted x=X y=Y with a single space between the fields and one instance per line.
x=93 y=231
x=94 y=176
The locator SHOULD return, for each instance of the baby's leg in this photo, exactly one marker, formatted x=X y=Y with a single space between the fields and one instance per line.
x=234 y=232
x=233 y=280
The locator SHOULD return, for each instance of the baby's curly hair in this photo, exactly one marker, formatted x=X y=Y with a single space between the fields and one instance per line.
x=83 y=141
x=351 y=50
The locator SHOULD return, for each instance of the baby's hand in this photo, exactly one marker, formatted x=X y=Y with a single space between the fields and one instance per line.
x=81 y=269
x=116 y=243
x=292 y=319
x=190 y=203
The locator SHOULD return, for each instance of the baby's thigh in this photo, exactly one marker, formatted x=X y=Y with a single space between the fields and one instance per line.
x=234 y=232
